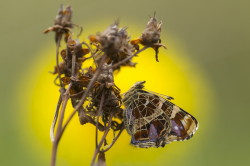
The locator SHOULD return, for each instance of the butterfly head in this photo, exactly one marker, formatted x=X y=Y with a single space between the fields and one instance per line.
x=138 y=85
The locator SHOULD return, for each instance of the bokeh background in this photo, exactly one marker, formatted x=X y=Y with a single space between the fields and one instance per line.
x=206 y=69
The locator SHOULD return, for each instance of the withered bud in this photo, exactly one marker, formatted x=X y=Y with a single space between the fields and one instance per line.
x=150 y=36
x=110 y=39
x=62 y=24
x=151 y=33
x=64 y=16
x=115 y=43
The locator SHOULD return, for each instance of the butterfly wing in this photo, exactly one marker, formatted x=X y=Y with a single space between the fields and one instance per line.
x=147 y=124
x=183 y=124
x=154 y=121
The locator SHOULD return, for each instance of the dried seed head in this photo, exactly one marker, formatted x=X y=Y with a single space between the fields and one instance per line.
x=150 y=36
x=109 y=39
x=115 y=43
x=64 y=16
x=62 y=24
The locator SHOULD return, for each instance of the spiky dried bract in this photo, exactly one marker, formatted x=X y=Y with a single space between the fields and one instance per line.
x=115 y=43
x=151 y=36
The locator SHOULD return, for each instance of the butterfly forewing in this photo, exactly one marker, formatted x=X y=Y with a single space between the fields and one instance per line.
x=145 y=121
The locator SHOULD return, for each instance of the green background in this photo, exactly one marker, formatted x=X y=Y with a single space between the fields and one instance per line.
x=215 y=35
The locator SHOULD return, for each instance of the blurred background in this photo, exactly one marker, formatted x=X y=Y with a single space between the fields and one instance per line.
x=205 y=68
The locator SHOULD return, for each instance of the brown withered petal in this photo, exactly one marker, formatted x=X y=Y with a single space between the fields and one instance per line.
x=66 y=80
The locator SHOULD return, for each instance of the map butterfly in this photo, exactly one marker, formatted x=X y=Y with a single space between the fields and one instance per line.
x=153 y=121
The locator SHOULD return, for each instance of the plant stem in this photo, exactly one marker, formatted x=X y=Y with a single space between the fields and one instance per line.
x=53 y=125
x=114 y=140
x=57 y=60
x=65 y=98
x=53 y=154
x=129 y=57
x=97 y=119
x=97 y=150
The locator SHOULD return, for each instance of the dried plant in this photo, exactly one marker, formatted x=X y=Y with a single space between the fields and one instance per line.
x=92 y=90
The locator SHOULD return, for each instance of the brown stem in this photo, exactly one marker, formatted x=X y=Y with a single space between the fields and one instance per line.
x=97 y=150
x=53 y=154
x=126 y=59
x=97 y=119
x=57 y=60
x=73 y=65
x=114 y=140
x=60 y=98
x=91 y=51
x=65 y=98
x=78 y=26
x=52 y=128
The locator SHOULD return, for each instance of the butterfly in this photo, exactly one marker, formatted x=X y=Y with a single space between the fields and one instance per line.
x=153 y=121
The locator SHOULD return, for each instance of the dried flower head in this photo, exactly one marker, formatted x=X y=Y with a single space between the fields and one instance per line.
x=62 y=24
x=115 y=43
x=150 y=36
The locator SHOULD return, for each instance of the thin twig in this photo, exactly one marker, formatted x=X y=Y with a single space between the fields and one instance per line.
x=113 y=142
x=52 y=128
x=97 y=119
x=128 y=58
x=97 y=150
x=73 y=65
x=90 y=49
x=81 y=29
x=57 y=60
x=65 y=98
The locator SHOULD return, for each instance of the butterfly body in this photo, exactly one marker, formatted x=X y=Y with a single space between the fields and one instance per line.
x=153 y=120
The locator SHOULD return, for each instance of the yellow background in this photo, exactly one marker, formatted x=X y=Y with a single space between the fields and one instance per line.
x=205 y=69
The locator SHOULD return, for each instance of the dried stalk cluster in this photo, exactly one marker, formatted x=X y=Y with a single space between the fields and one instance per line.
x=91 y=90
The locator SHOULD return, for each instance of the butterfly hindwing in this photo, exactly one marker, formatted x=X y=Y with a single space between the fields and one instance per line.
x=183 y=125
